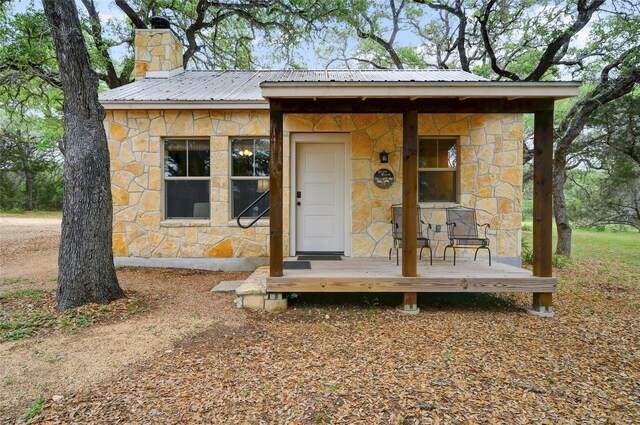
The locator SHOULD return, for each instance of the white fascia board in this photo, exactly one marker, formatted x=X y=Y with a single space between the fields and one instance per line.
x=377 y=90
x=163 y=74
x=135 y=105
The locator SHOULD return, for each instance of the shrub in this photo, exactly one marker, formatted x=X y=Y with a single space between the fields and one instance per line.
x=527 y=251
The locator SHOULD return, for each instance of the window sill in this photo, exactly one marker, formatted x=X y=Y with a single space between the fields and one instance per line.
x=263 y=222
x=185 y=223
x=438 y=205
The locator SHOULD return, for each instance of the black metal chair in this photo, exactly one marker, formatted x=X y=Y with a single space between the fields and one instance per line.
x=396 y=231
x=462 y=230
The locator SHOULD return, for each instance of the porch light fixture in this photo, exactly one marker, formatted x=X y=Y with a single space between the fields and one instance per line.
x=384 y=157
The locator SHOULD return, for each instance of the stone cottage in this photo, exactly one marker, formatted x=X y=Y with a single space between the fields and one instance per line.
x=191 y=150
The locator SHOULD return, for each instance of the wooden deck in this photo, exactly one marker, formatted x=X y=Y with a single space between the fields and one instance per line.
x=382 y=275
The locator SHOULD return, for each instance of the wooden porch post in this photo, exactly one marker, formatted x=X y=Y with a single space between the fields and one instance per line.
x=409 y=202
x=542 y=203
x=409 y=192
x=275 y=193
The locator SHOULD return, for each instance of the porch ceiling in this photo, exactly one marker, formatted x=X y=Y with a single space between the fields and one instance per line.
x=399 y=105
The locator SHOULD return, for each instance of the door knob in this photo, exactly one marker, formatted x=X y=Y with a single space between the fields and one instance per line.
x=298 y=203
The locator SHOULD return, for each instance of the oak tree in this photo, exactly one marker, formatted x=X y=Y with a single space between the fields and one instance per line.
x=86 y=270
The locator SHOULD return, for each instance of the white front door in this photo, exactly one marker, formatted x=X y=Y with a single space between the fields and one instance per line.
x=320 y=197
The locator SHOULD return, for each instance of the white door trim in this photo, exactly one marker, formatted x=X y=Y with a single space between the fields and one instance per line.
x=344 y=138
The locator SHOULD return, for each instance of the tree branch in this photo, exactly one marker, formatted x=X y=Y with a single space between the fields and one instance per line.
x=131 y=14
x=551 y=54
x=484 y=31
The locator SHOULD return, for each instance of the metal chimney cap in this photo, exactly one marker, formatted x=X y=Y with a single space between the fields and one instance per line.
x=160 y=22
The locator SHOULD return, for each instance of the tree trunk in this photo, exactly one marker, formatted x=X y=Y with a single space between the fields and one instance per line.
x=563 y=246
x=86 y=271
x=28 y=182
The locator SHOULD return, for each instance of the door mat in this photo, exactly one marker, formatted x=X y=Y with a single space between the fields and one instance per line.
x=319 y=258
x=297 y=265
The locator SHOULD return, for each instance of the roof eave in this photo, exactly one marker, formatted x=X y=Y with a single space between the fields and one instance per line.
x=416 y=90
x=186 y=104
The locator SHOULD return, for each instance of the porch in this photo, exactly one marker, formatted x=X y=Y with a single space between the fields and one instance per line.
x=382 y=275
x=412 y=98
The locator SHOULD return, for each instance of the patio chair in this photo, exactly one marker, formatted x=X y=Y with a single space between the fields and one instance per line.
x=396 y=231
x=462 y=230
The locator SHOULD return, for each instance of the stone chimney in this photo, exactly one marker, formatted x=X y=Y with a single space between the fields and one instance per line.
x=158 y=51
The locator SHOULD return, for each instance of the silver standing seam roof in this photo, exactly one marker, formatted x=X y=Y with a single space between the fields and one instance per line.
x=239 y=86
x=249 y=89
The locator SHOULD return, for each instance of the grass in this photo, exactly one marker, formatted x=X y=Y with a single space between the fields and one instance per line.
x=610 y=246
x=34 y=409
x=12 y=281
x=30 y=214
x=27 y=312
x=23 y=326
x=621 y=247
x=33 y=295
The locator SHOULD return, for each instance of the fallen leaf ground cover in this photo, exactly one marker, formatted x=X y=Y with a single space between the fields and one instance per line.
x=333 y=359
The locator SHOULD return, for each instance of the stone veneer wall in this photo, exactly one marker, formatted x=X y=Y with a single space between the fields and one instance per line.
x=490 y=158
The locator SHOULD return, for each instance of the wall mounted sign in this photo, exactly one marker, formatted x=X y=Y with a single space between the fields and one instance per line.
x=383 y=178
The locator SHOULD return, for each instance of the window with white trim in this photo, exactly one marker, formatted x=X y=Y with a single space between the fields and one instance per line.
x=187 y=178
x=437 y=169
x=249 y=175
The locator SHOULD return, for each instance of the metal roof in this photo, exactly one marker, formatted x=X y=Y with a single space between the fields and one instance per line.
x=239 y=86
x=250 y=89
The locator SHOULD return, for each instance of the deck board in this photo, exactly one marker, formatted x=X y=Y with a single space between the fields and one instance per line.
x=381 y=275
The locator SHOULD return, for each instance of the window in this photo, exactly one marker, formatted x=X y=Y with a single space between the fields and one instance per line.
x=437 y=170
x=249 y=175
x=186 y=178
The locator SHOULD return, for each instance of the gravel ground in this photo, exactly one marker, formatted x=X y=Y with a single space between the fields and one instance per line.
x=25 y=242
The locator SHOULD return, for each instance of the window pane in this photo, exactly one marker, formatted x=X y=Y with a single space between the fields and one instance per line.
x=250 y=157
x=437 y=153
x=187 y=198
x=428 y=153
x=242 y=157
x=175 y=158
x=247 y=191
x=199 y=158
x=439 y=186
x=446 y=153
x=262 y=157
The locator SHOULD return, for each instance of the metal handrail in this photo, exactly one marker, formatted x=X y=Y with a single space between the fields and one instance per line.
x=258 y=199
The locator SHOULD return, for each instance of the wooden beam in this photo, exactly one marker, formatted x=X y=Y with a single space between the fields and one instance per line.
x=409 y=192
x=422 y=105
x=542 y=193
x=408 y=285
x=275 y=194
x=410 y=298
x=542 y=204
x=542 y=300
